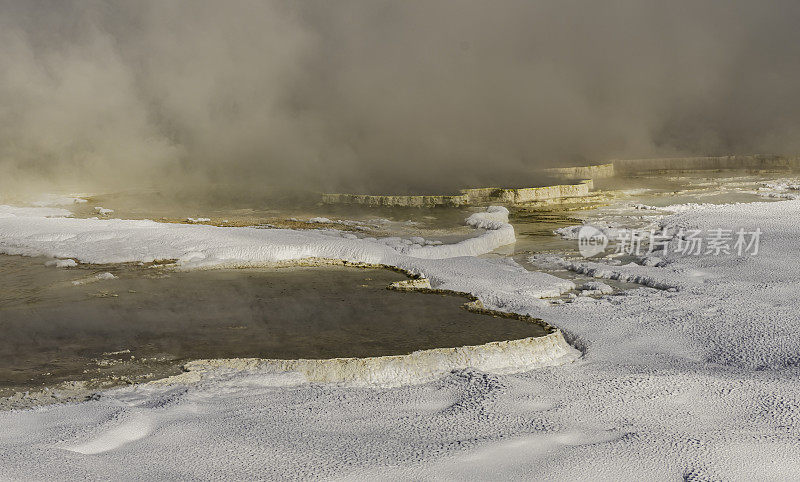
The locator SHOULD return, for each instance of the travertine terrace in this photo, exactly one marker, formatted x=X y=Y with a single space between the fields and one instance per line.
x=468 y=197
x=751 y=162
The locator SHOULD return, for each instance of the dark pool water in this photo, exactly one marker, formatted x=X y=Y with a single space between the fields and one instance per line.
x=151 y=318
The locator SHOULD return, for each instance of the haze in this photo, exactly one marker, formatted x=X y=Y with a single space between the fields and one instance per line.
x=351 y=95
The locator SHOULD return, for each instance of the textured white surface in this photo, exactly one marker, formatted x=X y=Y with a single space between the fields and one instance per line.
x=7 y=211
x=695 y=384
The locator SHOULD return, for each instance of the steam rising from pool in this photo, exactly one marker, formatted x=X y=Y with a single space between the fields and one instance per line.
x=239 y=99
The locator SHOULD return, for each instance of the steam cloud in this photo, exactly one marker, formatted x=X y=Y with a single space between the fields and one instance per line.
x=383 y=95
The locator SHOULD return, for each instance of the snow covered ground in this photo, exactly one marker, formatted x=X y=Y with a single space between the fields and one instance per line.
x=695 y=382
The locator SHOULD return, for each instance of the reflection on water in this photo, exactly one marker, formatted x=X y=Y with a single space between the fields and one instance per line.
x=150 y=319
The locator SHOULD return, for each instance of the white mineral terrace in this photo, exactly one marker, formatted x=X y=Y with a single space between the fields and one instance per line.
x=511 y=356
x=467 y=197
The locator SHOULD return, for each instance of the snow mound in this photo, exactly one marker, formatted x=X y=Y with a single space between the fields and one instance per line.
x=653 y=277
x=675 y=208
x=592 y=288
x=103 y=211
x=780 y=189
x=61 y=263
x=572 y=232
x=494 y=217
